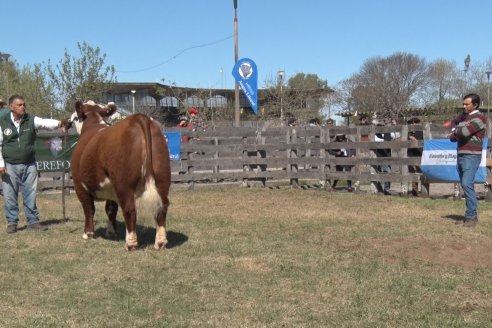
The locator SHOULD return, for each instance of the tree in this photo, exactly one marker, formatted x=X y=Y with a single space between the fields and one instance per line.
x=387 y=86
x=84 y=78
x=30 y=82
x=307 y=94
x=443 y=77
x=303 y=97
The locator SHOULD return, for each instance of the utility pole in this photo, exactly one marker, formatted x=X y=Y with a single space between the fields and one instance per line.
x=4 y=58
x=488 y=93
x=236 y=58
x=465 y=70
x=281 y=75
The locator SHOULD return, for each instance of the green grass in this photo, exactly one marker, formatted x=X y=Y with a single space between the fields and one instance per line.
x=255 y=258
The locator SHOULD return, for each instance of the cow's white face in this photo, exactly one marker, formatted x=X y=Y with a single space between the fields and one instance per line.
x=76 y=122
x=79 y=122
x=102 y=110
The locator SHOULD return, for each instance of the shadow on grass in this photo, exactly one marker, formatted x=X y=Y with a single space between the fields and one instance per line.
x=453 y=217
x=146 y=236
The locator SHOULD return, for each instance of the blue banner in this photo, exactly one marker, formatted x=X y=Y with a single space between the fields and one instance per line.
x=174 y=144
x=246 y=75
x=439 y=161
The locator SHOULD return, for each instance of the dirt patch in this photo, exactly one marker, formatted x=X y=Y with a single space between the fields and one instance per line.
x=466 y=254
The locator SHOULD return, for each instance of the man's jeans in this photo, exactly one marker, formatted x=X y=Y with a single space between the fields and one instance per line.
x=25 y=178
x=467 y=168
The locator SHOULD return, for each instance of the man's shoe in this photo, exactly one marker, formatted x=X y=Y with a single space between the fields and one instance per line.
x=36 y=226
x=470 y=223
x=12 y=228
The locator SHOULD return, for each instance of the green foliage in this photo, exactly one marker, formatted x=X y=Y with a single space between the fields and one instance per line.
x=85 y=77
x=51 y=90
x=28 y=81
x=305 y=96
x=303 y=81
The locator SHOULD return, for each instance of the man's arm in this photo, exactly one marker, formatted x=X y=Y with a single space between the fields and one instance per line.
x=46 y=123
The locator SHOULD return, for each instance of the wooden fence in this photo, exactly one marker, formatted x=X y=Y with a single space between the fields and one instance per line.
x=292 y=156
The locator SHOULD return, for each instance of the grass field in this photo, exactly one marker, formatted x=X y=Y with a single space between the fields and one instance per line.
x=255 y=258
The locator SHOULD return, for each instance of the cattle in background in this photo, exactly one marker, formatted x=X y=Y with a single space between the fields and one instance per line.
x=120 y=163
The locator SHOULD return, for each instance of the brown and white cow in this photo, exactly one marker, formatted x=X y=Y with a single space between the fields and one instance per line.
x=120 y=163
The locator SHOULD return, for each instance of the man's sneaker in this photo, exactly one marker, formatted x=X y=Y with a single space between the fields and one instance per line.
x=12 y=228
x=470 y=223
x=36 y=226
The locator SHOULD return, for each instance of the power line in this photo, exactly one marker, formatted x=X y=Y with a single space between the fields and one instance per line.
x=178 y=54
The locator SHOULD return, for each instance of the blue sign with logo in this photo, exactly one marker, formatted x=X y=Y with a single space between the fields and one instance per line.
x=439 y=161
x=174 y=144
x=246 y=75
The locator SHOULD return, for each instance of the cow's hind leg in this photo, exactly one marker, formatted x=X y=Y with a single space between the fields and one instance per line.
x=89 y=209
x=161 y=234
x=111 y=211
x=162 y=184
x=162 y=178
x=130 y=215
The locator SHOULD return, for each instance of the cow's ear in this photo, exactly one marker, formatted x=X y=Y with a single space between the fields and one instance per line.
x=79 y=109
x=111 y=109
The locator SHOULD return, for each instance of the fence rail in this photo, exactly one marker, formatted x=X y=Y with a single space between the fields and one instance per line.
x=291 y=155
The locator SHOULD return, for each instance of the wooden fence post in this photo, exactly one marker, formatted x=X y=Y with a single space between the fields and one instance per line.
x=323 y=138
x=292 y=153
x=372 y=154
x=189 y=168
x=216 y=157
x=425 y=184
x=261 y=140
x=403 y=153
x=246 y=167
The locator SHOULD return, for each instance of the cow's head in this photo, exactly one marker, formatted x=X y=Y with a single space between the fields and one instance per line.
x=83 y=110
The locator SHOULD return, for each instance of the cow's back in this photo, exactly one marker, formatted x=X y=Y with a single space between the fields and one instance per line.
x=119 y=154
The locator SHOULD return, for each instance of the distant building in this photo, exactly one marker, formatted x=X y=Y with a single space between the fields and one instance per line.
x=168 y=101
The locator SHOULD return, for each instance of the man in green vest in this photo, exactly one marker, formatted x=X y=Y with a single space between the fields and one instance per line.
x=18 y=164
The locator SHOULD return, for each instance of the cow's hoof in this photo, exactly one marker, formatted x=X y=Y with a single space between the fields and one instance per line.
x=160 y=245
x=88 y=235
x=131 y=247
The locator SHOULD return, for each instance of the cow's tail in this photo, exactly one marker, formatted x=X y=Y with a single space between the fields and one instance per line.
x=150 y=203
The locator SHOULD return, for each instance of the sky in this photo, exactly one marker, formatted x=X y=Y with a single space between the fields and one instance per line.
x=191 y=42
